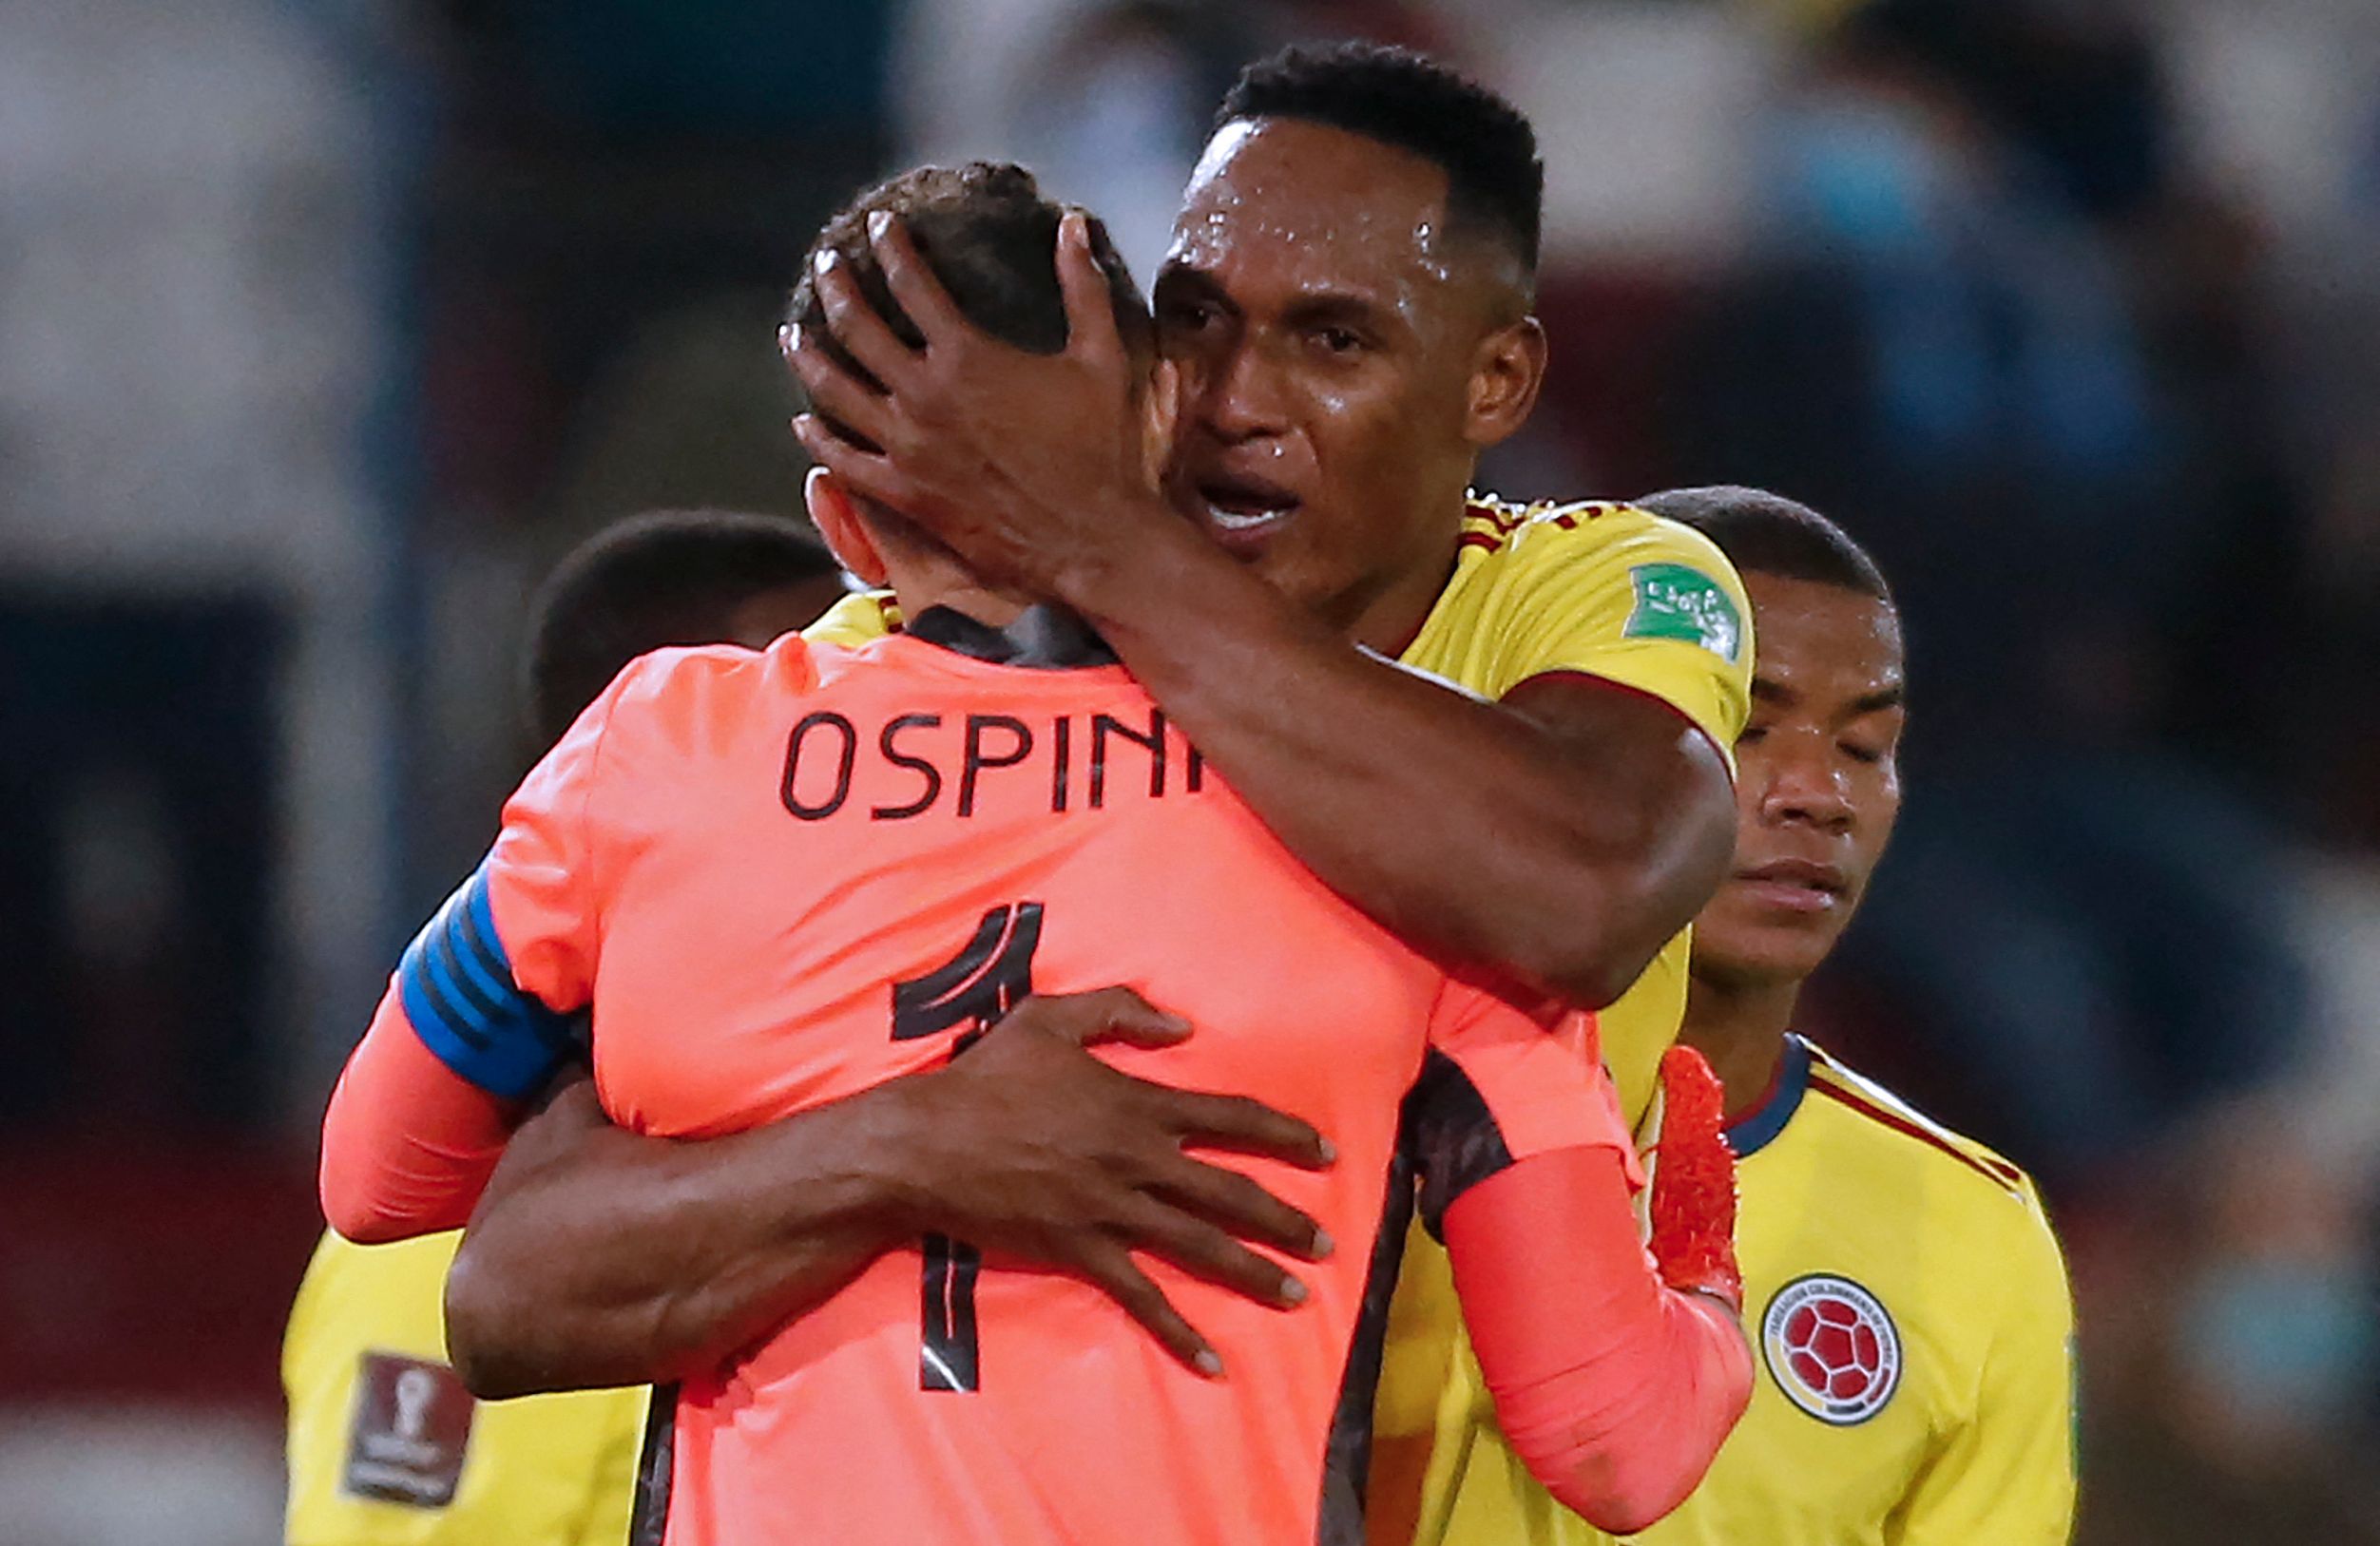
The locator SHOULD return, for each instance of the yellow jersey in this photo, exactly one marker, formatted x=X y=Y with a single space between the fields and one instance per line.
x=1915 y=1331
x=386 y=1447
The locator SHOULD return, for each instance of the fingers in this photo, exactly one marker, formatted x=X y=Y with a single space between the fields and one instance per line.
x=861 y=471
x=1110 y=1266
x=1160 y=420
x=1239 y=1207
x=1238 y=1125
x=836 y=393
x=1090 y=314
x=912 y=283
x=1108 y=1014
x=1198 y=1247
x=864 y=335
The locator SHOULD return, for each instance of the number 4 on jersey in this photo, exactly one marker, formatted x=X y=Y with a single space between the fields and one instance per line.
x=969 y=992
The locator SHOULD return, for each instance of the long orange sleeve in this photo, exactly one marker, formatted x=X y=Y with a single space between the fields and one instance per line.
x=1613 y=1389
x=408 y=1144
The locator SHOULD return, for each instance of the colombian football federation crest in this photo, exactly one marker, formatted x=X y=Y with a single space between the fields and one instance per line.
x=1831 y=1348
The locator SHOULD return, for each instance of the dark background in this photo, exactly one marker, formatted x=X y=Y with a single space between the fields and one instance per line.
x=325 y=326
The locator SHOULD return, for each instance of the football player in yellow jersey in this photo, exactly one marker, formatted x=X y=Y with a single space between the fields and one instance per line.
x=1346 y=319
x=1901 y=1282
x=386 y=1447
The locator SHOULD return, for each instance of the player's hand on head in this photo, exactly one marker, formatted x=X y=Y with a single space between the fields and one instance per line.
x=1025 y=463
x=1030 y=1147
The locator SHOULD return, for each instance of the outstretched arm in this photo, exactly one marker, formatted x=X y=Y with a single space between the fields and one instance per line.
x=1562 y=834
x=603 y=1258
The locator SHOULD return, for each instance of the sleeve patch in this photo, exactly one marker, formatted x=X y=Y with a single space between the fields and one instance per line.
x=1674 y=600
x=412 y=1429
x=457 y=982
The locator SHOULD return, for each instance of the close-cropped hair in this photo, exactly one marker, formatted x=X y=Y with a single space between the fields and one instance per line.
x=1766 y=533
x=1402 y=98
x=668 y=576
x=990 y=237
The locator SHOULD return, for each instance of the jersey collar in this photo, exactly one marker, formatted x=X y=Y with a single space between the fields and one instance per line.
x=1042 y=639
x=1753 y=1131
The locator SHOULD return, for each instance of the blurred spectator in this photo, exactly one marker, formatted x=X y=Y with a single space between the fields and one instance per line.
x=2222 y=1407
x=1945 y=344
x=1113 y=115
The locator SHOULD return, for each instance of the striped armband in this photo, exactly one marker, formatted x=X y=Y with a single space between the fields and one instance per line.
x=456 y=984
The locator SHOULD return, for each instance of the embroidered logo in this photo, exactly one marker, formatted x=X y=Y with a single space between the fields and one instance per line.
x=1831 y=1348
x=1676 y=601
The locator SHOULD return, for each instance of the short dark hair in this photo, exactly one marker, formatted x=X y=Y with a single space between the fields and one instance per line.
x=1765 y=533
x=1408 y=100
x=668 y=576
x=990 y=237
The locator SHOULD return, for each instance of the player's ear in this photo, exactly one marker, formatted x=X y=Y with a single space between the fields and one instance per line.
x=847 y=536
x=1507 y=369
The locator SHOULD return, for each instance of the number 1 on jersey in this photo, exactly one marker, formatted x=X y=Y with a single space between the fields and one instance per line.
x=972 y=990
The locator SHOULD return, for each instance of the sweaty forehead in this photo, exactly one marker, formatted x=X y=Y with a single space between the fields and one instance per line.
x=1814 y=636
x=1330 y=205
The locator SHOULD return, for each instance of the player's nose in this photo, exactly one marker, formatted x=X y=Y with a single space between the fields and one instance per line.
x=1241 y=396
x=1807 y=790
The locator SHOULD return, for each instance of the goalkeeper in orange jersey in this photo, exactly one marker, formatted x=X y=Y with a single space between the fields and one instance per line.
x=386 y=1447
x=1349 y=308
x=1902 y=1285
x=764 y=919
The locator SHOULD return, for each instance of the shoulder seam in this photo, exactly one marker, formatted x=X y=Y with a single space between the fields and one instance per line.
x=1991 y=1167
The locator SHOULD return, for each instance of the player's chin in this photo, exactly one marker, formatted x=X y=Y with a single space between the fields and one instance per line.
x=1746 y=945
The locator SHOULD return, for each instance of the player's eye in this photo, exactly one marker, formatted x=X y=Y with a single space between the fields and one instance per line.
x=1186 y=316
x=1341 y=342
x=1857 y=751
x=1753 y=736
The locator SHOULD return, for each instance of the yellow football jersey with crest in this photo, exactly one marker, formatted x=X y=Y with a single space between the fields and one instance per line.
x=1911 y=1311
x=386 y=1447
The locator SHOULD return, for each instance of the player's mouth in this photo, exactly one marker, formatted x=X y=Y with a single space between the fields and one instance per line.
x=1804 y=885
x=1243 y=513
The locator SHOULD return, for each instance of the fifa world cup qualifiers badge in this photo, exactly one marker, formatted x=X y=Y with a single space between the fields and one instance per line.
x=1832 y=1349
x=1675 y=601
x=413 y=1425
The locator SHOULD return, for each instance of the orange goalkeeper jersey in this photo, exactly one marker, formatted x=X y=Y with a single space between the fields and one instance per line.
x=785 y=877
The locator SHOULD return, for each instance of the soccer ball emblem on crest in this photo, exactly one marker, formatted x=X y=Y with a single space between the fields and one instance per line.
x=1831 y=1348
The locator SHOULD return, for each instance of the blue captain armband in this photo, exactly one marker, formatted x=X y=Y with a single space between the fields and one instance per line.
x=456 y=984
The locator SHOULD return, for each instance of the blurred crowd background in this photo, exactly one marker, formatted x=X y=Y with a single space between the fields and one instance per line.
x=325 y=327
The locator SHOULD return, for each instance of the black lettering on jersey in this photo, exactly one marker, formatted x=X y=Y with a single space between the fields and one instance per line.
x=842 y=768
x=968 y=993
x=976 y=760
x=1194 y=776
x=1103 y=726
x=899 y=758
x=1062 y=753
x=993 y=970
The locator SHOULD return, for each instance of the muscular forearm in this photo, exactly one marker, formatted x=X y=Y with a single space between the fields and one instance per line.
x=602 y=1258
x=1615 y=1390
x=1565 y=847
